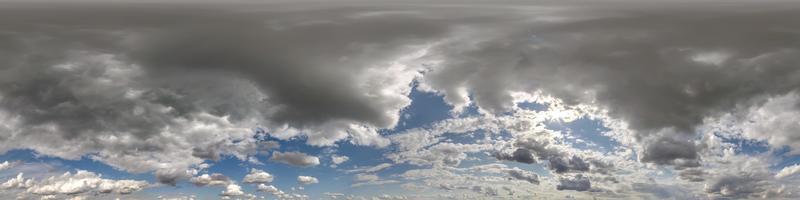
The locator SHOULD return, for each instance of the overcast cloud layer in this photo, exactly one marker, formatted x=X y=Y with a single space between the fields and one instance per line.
x=688 y=100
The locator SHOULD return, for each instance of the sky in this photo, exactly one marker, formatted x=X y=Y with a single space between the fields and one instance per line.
x=387 y=100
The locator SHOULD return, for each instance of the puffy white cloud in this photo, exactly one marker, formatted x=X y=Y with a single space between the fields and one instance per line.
x=80 y=182
x=232 y=190
x=776 y=122
x=215 y=179
x=6 y=165
x=17 y=182
x=305 y=180
x=339 y=159
x=295 y=158
x=268 y=189
x=257 y=176
x=788 y=171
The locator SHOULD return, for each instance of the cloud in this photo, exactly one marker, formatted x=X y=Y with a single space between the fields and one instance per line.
x=788 y=171
x=305 y=180
x=339 y=159
x=672 y=151
x=577 y=183
x=693 y=175
x=295 y=158
x=7 y=165
x=17 y=182
x=371 y=169
x=365 y=177
x=148 y=97
x=267 y=188
x=644 y=78
x=739 y=185
x=660 y=191
x=519 y=155
x=774 y=121
x=72 y=184
x=232 y=190
x=520 y=174
x=257 y=176
x=215 y=179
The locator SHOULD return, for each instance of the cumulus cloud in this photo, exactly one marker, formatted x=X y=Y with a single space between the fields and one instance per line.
x=257 y=176
x=295 y=158
x=305 y=180
x=72 y=184
x=268 y=188
x=18 y=182
x=232 y=190
x=215 y=179
x=336 y=160
x=7 y=165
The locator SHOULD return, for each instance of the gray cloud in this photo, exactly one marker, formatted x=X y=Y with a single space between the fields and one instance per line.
x=660 y=191
x=741 y=185
x=519 y=155
x=669 y=68
x=295 y=158
x=524 y=175
x=560 y=161
x=139 y=86
x=577 y=183
x=693 y=175
x=134 y=84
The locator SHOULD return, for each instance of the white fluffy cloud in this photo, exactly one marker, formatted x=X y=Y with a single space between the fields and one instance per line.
x=268 y=189
x=71 y=184
x=7 y=165
x=305 y=180
x=215 y=179
x=788 y=171
x=257 y=176
x=232 y=190
x=339 y=159
x=18 y=182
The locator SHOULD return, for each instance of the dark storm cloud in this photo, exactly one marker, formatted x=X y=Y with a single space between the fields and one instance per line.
x=660 y=67
x=138 y=85
x=305 y=70
x=80 y=78
x=667 y=150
